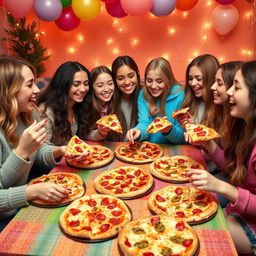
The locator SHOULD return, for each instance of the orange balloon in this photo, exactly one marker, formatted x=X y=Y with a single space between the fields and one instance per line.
x=185 y=5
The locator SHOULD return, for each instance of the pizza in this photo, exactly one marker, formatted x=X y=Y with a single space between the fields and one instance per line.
x=158 y=124
x=139 y=152
x=112 y=122
x=95 y=217
x=77 y=147
x=199 y=132
x=158 y=235
x=125 y=181
x=100 y=156
x=186 y=203
x=176 y=113
x=174 y=168
x=71 y=181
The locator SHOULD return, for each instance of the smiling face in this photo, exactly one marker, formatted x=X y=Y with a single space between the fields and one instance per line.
x=126 y=80
x=26 y=96
x=79 y=87
x=154 y=83
x=239 y=97
x=196 y=81
x=103 y=88
x=219 y=89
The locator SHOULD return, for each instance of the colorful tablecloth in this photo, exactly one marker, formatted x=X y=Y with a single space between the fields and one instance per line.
x=35 y=231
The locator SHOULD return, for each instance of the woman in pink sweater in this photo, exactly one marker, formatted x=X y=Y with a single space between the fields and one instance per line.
x=238 y=160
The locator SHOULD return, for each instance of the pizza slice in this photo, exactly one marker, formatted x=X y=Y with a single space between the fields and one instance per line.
x=77 y=147
x=158 y=124
x=112 y=122
x=199 y=132
x=176 y=113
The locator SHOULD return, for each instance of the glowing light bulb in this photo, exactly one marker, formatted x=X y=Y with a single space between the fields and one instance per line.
x=115 y=51
x=196 y=53
x=189 y=60
x=71 y=50
x=80 y=38
x=248 y=15
x=207 y=25
x=115 y=22
x=109 y=41
x=172 y=31
x=134 y=42
x=185 y=14
x=166 y=56
x=243 y=51
x=204 y=37
x=208 y=3
x=121 y=29
x=96 y=63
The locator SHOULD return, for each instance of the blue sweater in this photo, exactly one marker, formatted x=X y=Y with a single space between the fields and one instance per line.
x=173 y=102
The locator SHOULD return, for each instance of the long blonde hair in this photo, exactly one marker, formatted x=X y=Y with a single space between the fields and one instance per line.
x=164 y=70
x=11 y=80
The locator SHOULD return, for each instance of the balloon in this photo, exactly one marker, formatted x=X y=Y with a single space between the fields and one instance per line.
x=18 y=8
x=115 y=9
x=67 y=20
x=48 y=10
x=66 y=3
x=86 y=9
x=224 y=18
x=136 y=7
x=185 y=5
x=163 y=7
x=109 y=1
x=225 y=1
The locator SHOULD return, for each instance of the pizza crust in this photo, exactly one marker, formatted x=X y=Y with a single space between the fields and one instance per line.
x=176 y=113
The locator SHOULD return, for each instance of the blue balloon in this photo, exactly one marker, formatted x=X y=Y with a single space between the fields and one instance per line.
x=163 y=7
x=48 y=10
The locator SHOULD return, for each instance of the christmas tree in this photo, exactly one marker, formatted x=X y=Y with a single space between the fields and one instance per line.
x=24 y=42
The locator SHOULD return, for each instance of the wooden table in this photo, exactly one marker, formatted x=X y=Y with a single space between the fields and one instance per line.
x=35 y=231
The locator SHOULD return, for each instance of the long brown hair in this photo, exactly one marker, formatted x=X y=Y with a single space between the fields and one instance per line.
x=11 y=80
x=242 y=136
x=164 y=70
x=208 y=65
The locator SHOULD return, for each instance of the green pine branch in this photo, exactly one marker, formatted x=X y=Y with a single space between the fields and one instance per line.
x=25 y=42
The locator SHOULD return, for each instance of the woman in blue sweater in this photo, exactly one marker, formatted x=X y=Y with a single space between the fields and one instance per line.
x=160 y=96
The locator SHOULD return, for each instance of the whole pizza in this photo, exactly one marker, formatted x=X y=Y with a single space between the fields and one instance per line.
x=71 y=181
x=174 y=168
x=186 y=203
x=98 y=157
x=158 y=235
x=94 y=217
x=139 y=152
x=124 y=182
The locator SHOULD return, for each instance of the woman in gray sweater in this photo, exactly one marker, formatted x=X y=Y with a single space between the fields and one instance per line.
x=22 y=139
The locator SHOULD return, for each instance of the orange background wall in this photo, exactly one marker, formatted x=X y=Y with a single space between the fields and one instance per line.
x=179 y=37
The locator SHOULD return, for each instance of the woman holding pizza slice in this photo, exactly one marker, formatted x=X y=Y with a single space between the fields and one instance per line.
x=22 y=140
x=238 y=160
x=160 y=96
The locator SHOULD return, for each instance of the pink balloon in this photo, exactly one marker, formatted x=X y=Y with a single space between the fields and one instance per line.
x=225 y=18
x=18 y=8
x=67 y=20
x=136 y=7
x=109 y=1
x=225 y=1
x=115 y=9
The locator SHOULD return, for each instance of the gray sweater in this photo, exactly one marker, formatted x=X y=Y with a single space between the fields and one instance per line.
x=14 y=172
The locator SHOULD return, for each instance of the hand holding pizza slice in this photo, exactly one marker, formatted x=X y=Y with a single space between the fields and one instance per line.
x=179 y=112
x=160 y=124
x=112 y=122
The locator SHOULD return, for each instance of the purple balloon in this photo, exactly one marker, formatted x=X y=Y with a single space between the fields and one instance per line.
x=48 y=10
x=225 y=1
x=115 y=9
x=163 y=7
x=67 y=20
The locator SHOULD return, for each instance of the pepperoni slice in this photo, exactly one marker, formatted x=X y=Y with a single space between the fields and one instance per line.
x=87 y=228
x=104 y=227
x=37 y=181
x=78 y=149
x=122 y=171
x=104 y=201
x=92 y=203
x=200 y=197
x=113 y=124
x=100 y=217
x=156 y=120
x=109 y=187
x=202 y=133
x=104 y=152
x=180 y=226
x=127 y=243
x=124 y=185
x=181 y=161
x=156 y=152
x=133 y=189
x=164 y=162
x=144 y=177
x=137 y=173
x=195 y=166
x=77 y=141
x=187 y=242
x=112 y=205
x=157 y=166
x=115 y=183
x=159 y=125
x=154 y=220
x=74 y=211
x=130 y=176
x=196 y=211
x=148 y=254
x=178 y=191
x=180 y=214
x=162 y=208
x=107 y=177
x=116 y=213
x=115 y=221
x=198 y=129
x=120 y=177
x=60 y=177
x=104 y=183
x=74 y=223
x=160 y=198
x=119 y=191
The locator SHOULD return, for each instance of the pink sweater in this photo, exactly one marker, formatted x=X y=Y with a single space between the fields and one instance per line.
x=245 y=203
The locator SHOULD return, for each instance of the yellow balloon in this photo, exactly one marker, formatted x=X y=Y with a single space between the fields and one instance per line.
x=86 y=9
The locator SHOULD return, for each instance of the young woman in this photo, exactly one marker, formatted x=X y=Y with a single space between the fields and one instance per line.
x=22 y=139
x=64 y=105
x=200 y=75
x=127 y=79
x=239 y=161
x=103 y=101
x=160 y=96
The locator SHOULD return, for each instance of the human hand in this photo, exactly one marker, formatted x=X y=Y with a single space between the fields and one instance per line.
x=46 y=191
x=184 y=119
x=132 y=135
x=59 y=151
x=31 y=139
x=103 y=130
